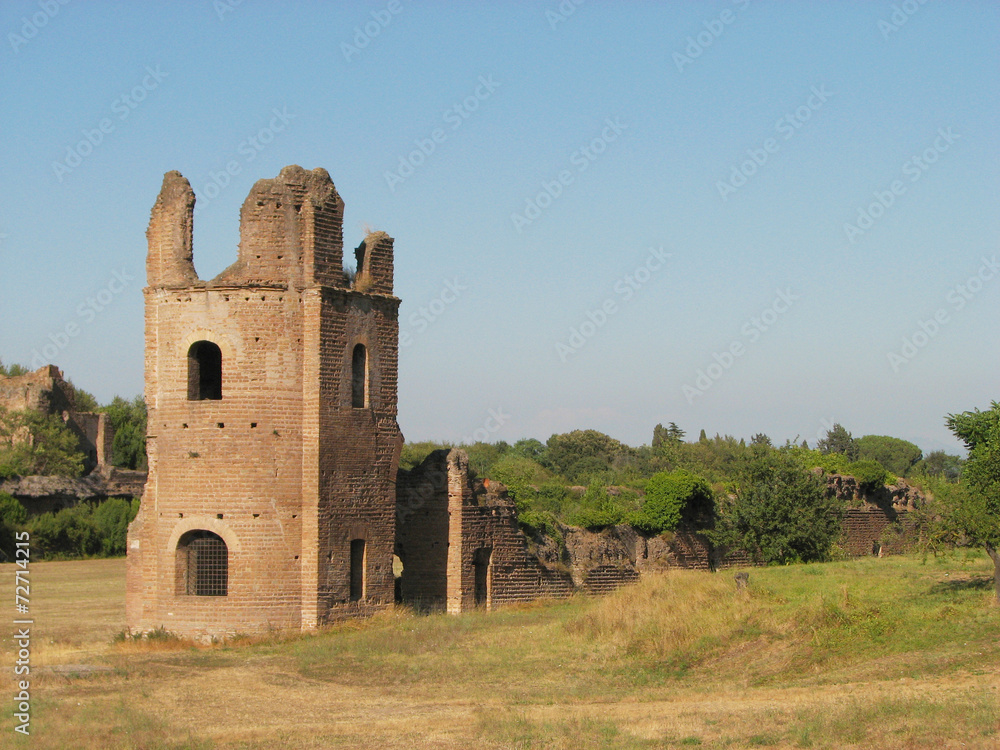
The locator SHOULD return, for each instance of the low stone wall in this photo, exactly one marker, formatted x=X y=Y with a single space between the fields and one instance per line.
x=51 y=494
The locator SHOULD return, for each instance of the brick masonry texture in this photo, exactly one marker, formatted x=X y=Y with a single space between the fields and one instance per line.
x=284 y=468
x=288 y=451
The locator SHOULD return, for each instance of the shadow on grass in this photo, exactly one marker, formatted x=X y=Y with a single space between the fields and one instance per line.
x=974 y=583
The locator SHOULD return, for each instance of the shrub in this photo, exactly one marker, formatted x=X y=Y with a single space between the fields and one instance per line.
x=869 y=473
x=780 y=511
x=83 y=530
x=12 y=518
x=598 y=509
x=671 y=496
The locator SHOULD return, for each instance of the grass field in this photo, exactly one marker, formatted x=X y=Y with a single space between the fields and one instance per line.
x=873 y=653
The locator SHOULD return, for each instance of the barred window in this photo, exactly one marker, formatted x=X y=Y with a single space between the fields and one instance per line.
x=205 y=560
x=204 y=372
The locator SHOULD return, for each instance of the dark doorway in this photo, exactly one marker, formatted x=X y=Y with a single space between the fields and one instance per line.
x=481 y=565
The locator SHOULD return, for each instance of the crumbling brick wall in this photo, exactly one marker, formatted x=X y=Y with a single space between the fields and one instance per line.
x=877 y=521
x=269 y=450
x=460 y=543
x=46 y=391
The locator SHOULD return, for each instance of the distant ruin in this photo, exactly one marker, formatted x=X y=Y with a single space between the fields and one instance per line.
x=45 y=391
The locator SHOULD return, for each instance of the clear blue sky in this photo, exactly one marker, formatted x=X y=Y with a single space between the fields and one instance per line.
x=736 y=139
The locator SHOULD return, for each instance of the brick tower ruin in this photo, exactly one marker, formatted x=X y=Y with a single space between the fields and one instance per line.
x=273 y=444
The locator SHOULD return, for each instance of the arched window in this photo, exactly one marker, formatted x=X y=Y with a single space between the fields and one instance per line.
x=204 y=372
x=203 y=561
x=359 y=377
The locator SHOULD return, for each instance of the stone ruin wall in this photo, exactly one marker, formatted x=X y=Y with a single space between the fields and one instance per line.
x=444 y=518
x=445 y=521
x=47 y=392
x=876 y=522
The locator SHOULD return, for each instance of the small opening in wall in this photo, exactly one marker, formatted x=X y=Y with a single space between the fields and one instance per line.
x=295 y=515
x=357 y=573
x=253 y=425
x=260 y=203
x=278 y=204
x=220 y=425
x=256 y=515
x=296 y=557
x=218 y=515
x=256 y=338
x=263 y=298
x=184 y=425
x=204 y=371
x=180 y=515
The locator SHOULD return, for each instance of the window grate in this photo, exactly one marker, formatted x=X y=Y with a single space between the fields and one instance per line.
x=207 y=566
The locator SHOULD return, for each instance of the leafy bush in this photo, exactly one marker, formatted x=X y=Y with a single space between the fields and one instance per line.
x=12 y=518
x=671 y=496
x=598 y=509
x=519 y=474
x=413 y=454
x=541 y=522
x=83 y=530
x=781 y=511
x=870 y=474
x=34 y=443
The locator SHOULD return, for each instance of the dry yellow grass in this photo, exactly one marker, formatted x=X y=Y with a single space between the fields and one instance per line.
x=841 y=656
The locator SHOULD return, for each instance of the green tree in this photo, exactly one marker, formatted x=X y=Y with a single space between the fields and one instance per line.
x=482 y=456
x=583 y=455
x=83 y=400
x=128 y=417
x=671 y=434
x=530 y=448
x=940 y=464
x=519 y=475
x=838 y=440
x=111 y=519
x=975 y=513
x=12 y=371
x=34 y=443
x=413 y=454
x=780 y=510
x=672 y=496
x=12 y=517
x=896 y=455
